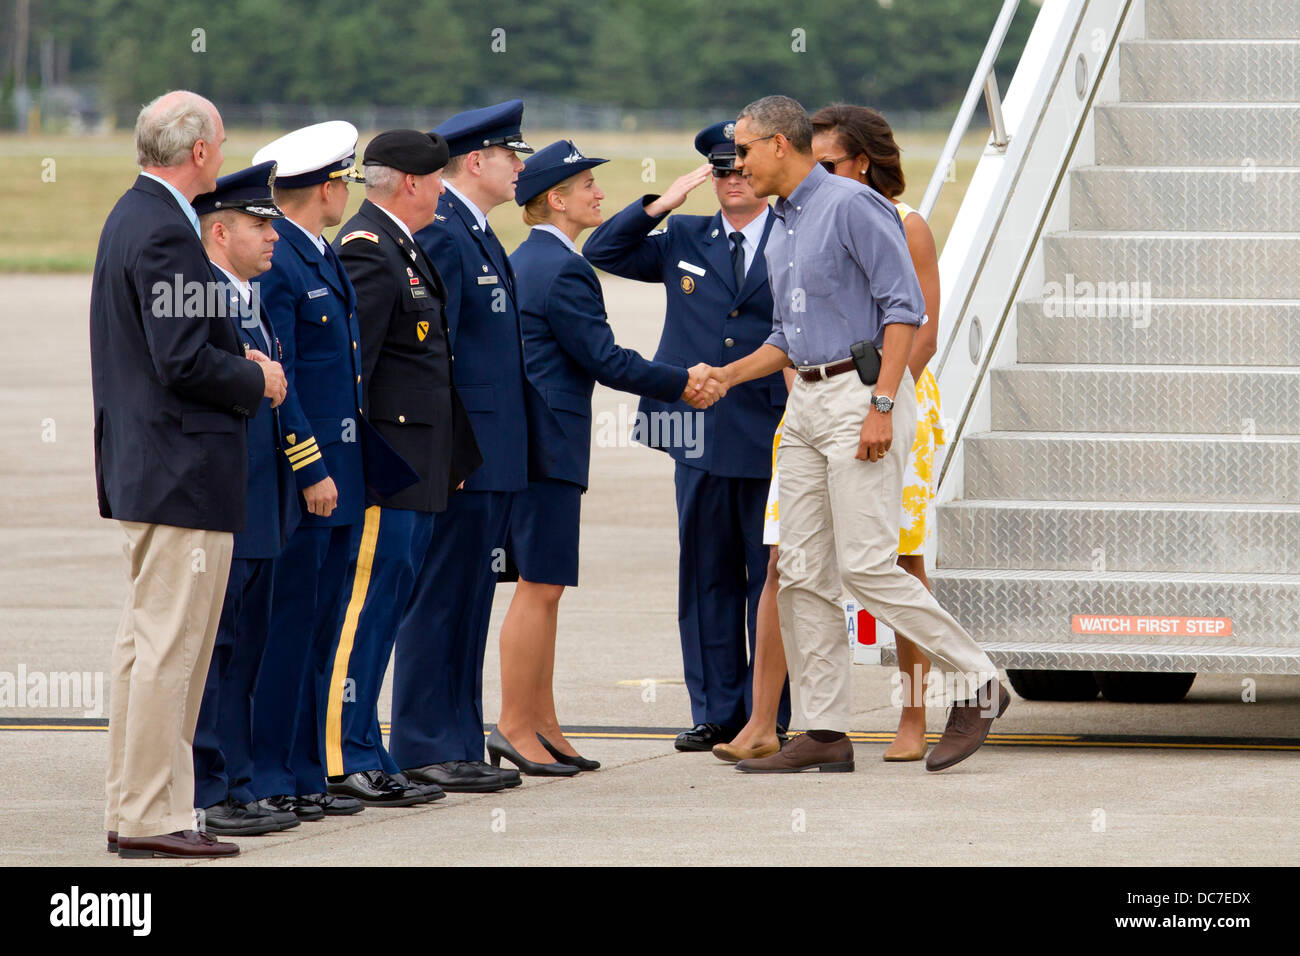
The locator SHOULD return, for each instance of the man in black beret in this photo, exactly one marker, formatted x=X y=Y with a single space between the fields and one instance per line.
x=409 y=397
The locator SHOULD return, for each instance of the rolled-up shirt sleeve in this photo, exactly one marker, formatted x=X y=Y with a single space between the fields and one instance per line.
x=777 y=337
x=879 y=247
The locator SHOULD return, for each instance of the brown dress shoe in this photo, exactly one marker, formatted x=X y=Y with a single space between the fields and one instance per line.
x=730 y=753
x=184 y=844
x=804 y=753
x=968 y=725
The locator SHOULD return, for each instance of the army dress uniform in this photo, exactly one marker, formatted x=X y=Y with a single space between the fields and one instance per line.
x=409 y=395
x=223 y=758
x=438 y=672
x=718 y=309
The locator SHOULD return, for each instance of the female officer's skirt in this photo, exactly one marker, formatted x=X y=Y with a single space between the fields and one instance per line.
x=544 y=532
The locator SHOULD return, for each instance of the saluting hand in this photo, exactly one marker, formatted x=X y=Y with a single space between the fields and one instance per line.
x=273 y=373
x=676 y=194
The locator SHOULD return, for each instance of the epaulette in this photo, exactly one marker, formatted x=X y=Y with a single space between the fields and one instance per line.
x=358 y=234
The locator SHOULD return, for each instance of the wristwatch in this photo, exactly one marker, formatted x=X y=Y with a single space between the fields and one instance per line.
x=882 y=403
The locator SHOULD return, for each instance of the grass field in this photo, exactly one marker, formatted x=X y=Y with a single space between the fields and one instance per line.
x=59 y=189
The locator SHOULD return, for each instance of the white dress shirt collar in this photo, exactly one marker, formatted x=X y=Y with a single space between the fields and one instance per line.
x=479 y=216
x=753 y=234
x=555 y=231
x=317 y=241
x=400 y=225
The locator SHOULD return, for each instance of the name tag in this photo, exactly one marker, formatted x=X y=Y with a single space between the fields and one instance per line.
x=317 y=293
x=683 y=264
x=487 y=280
x=419 y=292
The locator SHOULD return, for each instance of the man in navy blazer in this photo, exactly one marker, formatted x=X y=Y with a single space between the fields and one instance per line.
x=719 y=307
x=437 y=730
x=236 y=222
x=173 y=390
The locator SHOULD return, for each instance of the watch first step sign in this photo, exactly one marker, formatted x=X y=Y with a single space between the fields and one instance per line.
x=1148 y=625
x=866 y=635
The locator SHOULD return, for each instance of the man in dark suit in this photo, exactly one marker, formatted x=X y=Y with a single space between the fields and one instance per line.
x=410 y=397
x=313 y=308
x=236 y=223
x=719 y=307
x=438 y=682
x=173 y=390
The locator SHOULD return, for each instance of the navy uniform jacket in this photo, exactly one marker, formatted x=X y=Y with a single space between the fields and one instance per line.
x=483 y=325
x=313 y=309
x=568 y=347
x=703 y=313
x=172 y=391
x=406 y=376
x=273 y=511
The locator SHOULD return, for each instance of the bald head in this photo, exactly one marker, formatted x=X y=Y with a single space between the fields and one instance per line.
x=178 y=137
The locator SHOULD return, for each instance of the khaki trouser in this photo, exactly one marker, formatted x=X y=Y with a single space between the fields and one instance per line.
x=176 y=582
x=839 y=533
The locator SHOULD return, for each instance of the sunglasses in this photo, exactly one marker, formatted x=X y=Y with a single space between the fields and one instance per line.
x=720 y=172
x=742 y=149
x=830 y=164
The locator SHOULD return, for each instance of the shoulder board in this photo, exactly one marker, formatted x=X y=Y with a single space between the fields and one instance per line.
x=358 y=234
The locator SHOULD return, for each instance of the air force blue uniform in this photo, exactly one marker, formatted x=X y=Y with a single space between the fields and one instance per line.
x=722 y=478
x=568 y=347
x=438 y=664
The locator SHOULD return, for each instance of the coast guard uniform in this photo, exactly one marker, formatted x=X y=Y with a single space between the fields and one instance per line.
x=719 y=309
x=568 y=347
x=438 y=672
x=223 y=762
x=313 y=309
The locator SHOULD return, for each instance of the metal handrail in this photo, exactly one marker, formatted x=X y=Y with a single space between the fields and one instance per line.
x=983 y=80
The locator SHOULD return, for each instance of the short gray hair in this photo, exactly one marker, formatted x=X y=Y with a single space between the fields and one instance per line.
x=168 y=127
x=382 y=180
x=781 y=114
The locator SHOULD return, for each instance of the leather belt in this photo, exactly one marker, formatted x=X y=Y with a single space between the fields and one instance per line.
x=815 y=373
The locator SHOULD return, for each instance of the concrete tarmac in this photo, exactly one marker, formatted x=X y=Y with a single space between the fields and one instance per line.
x=1201 y=782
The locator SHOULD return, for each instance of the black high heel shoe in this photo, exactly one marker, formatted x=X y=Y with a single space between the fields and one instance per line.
x=498 y=747
x=582 y=763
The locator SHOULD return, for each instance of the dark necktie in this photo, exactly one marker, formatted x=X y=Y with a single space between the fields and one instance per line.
x=738 y=258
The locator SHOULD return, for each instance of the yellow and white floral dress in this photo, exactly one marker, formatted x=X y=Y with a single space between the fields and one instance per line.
x=918 y=474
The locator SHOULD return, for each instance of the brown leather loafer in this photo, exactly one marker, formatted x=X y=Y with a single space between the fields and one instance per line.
x=968 y=725
x=183 y=844
x=730 y=753
x=803 y=753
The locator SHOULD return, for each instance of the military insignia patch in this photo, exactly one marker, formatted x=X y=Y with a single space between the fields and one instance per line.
x=421 y=330
x=688 y=284
x=358 y=234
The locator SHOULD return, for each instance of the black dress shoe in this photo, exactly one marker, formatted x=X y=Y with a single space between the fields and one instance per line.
x=498 y=747
x=582 y=763
x=112 y=841
x=459 y=776
x=288 y=803
x=284 y=819
x=782 y=734
x=374 y=788
x=232 y=818
x=510 y=776
x=328 y=805
x=431 y=791
x=704 y=736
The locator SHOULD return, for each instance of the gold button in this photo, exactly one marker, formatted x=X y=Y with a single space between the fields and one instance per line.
x=735 y=313
x=324 y=318
x=402 y=419
x=354 y=346
x=358 y=378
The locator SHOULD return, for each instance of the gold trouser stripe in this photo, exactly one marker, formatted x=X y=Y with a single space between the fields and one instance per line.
x=306 y=461
x=306 y=448
x=360 y=584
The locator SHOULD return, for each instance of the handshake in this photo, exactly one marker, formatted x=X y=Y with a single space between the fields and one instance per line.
x=705 y=386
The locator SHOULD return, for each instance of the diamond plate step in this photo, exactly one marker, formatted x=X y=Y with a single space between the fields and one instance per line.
x=1037 y=606
x=1222 y=19
x=1181 y=134
x=1042 y=466
x=1130 y=398
x=1161 y=332
x=1179 y=265
x=1198 y=199
x=1163 y=658
x=1210 y=71
x=1119 y=536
